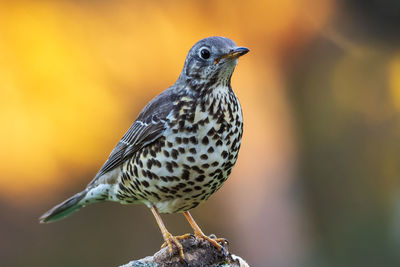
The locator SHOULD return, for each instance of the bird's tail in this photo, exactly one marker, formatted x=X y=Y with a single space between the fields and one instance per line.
x=64 y=209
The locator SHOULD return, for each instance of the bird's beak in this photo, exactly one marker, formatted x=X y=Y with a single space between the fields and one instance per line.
x=233 y=54
x=237 y=52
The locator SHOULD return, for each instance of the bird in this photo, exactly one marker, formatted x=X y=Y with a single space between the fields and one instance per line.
x=180 y=149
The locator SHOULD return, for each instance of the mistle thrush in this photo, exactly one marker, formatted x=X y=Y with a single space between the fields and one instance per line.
x=180 y=149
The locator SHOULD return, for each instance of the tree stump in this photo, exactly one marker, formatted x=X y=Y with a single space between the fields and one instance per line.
x=197 y=253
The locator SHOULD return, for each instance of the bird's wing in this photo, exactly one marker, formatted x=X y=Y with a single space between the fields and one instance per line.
x=148 y=127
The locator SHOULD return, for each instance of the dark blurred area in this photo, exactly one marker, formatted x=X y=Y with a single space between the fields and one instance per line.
x=317 y=179
x=344 y=90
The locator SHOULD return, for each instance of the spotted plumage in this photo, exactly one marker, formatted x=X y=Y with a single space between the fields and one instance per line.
x=204 y=130
x=182 y=146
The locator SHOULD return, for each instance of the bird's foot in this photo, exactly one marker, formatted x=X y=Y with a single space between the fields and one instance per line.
x=170 y=239
x=212 y=240
x=179 y=238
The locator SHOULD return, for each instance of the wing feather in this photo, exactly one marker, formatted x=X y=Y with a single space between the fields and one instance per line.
x=148 y=127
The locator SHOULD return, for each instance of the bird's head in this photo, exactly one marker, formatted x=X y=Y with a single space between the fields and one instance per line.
x=212 y=59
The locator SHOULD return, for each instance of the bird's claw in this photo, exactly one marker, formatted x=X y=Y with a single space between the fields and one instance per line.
x=179 y=237
x=212 y=240
x=170 y=239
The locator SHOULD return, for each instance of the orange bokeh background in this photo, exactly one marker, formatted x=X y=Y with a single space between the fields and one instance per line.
x=75 y=74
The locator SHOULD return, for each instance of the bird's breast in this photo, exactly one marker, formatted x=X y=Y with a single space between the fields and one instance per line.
x=191 y=160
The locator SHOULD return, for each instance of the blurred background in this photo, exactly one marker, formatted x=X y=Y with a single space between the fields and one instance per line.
x=317 y=179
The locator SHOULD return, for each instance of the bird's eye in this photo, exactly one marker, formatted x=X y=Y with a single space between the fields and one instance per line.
x=205 y=53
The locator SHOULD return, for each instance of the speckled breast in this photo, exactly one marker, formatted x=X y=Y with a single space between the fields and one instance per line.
x=193 y=158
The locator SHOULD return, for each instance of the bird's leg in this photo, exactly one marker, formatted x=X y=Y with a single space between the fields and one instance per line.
x=168 y=238
x=199 y=234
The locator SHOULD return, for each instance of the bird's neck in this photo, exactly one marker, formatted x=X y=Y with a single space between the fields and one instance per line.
x=215 y=85
x=218 y=101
